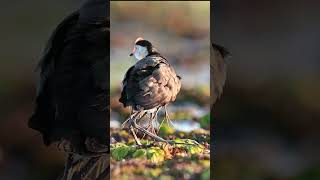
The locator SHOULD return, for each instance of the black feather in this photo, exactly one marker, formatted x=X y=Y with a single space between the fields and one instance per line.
x=223 y=51
x=73 y=94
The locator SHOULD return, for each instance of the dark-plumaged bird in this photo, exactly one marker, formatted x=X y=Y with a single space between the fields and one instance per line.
x=218 y=71
x=148 y=86
x=72 y=101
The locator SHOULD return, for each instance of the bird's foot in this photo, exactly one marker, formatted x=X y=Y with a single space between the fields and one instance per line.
x=92 y=145
x=183 y=142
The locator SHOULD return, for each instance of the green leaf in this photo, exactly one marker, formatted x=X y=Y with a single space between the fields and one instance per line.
x=194 y=149
x=120 y=152
x=205 y=175
x=139 y=153
x=166 y=130
x=155 y=155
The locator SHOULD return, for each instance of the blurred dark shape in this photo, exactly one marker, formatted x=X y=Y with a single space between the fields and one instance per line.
x=72 y=99
x=94 y=11
x=267 y=123
x=218 y=71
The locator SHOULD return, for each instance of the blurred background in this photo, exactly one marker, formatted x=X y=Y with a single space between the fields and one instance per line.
x=267 y=121
x=180 y=31
x=26 y=26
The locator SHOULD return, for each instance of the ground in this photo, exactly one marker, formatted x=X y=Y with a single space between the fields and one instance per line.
x=158 y=160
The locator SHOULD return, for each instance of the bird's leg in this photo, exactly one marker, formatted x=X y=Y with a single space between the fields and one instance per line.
x=141 y=115
x=148 y=128
x=138 y=118
x=135 y=136
x=168 y=117
x=150 y=125
x=135 y=125
x=133 y=118
x=193 y=143
x=172 y=142
x=68 y=164
x=155 y=115
x=130 y=118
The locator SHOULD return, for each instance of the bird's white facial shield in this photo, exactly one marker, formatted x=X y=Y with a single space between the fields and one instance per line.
x=139 y=52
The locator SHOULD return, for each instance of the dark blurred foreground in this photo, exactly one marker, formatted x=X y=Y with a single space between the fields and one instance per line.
x=26 y=26
x=267 y=122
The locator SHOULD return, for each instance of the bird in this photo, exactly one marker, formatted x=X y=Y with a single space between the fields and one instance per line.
x=218 y=74
x=148 y=86
x=72 y=100
x=218 y=71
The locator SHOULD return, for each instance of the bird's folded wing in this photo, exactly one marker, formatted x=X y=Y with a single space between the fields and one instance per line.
x=158 y=88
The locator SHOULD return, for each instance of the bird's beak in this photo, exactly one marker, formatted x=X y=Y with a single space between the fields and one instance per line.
x=134 y=49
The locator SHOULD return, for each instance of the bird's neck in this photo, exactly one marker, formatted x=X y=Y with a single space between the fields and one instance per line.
x=153 y=51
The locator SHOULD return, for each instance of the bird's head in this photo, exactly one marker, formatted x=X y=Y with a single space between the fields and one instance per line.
x=142 y=48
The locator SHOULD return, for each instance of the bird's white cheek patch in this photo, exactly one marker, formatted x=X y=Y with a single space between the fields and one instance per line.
x=138 y=55
x=141 y=52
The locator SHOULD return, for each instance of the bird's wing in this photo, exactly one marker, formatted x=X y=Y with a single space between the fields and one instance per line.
x=152 y=85
x=53 y=48
x=45 y=110
x=74 y=83
x=124 y=99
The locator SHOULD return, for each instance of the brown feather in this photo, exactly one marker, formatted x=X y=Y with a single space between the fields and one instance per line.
x=150 y=83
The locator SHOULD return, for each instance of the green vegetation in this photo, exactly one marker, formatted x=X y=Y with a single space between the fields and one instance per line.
x=158 y=160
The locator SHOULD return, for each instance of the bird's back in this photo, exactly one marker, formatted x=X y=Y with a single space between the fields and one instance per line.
x=150 y=83
x=73 y=90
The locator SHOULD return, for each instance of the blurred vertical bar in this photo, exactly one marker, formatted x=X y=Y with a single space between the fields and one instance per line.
x=212 y=127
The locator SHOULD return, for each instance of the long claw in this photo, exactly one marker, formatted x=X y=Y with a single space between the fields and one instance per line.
x=193 y=143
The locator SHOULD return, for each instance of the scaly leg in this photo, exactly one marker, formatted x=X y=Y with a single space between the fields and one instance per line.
x=135 y=125
x=135 y=136
x=68 y=164
x=167 y=116
x=133 y=118
x=129 y=118
x=154 y=118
